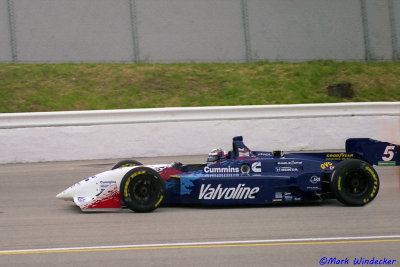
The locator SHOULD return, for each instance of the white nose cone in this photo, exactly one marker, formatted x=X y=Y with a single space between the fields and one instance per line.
x=65 y=195
x=69 y=193
x=94 y=185
x=87 y=187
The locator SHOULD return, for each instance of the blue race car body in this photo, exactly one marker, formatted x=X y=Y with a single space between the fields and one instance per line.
x=243 y=176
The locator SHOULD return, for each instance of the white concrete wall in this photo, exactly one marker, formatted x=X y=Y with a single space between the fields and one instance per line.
x=60 y=136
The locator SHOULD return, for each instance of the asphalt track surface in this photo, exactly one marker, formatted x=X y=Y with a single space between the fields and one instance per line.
x=36 y=229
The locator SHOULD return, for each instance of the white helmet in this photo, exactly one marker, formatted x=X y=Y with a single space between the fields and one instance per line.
x=215 y=155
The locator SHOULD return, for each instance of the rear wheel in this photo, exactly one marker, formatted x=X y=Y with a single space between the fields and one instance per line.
x=126 y=163
x=142 y=189
x=354 y=182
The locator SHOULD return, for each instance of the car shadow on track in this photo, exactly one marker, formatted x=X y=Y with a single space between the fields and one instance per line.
x=327 y=203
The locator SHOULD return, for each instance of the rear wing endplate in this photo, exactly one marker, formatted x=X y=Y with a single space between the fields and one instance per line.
x=373 y=151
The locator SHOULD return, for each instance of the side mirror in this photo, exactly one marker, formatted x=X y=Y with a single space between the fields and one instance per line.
x=278 y=154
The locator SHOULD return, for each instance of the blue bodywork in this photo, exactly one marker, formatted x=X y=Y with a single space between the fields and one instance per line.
x=257 y=177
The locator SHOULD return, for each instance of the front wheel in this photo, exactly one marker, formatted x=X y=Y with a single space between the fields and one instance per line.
x=354 y=182
x=126 y=163
x=142 y=189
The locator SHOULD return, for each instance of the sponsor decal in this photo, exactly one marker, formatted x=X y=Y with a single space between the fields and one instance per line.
x=93 y=177
x=105 y=184
x=289 y=162
x=374 y=190
x=256 y=166
x=288 y=196
x=315 y=179
x=264 y=154
x=222 y=175
x=387 y=163
x=312 y=188
x=339 y=156
x=278 y=194
x=241 y=191
x=159 y=201
x=327 y=165
x=221 y=169
x=243 y=152
x=81 y=199
x=286 y=169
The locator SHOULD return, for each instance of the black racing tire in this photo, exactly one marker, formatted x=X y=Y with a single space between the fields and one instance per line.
x=126 y=163
x=354 y=182
x=142 y=189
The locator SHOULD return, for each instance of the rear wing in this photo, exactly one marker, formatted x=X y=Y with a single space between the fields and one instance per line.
x=373 y=151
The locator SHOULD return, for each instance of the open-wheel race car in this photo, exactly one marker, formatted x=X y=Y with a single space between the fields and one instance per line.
x=241 y=176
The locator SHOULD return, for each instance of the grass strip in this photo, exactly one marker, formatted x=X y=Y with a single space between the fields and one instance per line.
x=64 y=87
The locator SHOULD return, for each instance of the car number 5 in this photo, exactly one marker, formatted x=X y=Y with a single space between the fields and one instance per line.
x=388 y=154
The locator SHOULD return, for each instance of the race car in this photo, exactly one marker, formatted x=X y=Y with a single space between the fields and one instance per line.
x=241 y=176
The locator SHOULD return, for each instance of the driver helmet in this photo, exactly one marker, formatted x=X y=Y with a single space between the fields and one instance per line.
x=215 y=155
